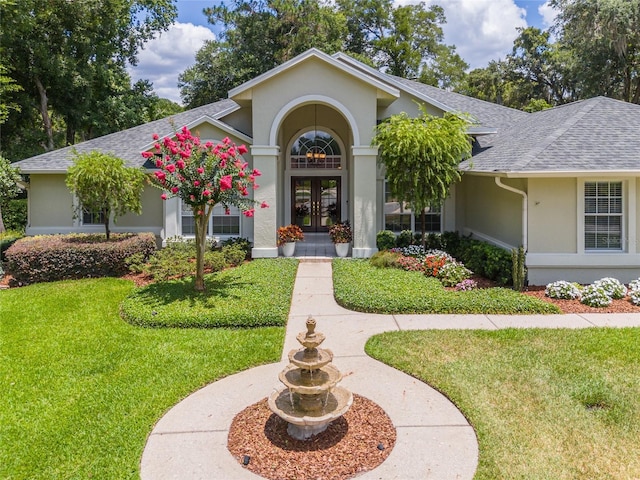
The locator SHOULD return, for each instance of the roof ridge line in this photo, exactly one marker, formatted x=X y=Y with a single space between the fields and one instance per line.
x=554 y=136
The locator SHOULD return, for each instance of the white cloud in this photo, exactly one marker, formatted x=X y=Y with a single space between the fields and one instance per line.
x=548 y=14
x=481 y=30
x=168 y=55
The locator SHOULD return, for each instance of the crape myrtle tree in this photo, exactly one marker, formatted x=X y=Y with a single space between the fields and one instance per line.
x=421 y=156
x=9 y=178
x=104 y=186
x=203 y=176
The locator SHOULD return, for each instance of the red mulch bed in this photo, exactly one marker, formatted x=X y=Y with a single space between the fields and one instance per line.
x=357 y=442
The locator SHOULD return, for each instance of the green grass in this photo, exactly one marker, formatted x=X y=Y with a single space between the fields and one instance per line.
x=364 y=288
x=82 y=389
x=545 y=404
x=257 y=293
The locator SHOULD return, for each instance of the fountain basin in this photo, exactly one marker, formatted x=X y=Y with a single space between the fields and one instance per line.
x=309 y=359
x=304 y=382
x=304 y=424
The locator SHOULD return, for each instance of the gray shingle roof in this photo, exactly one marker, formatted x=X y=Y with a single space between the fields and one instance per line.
x=127 y=144
x=598 y=134
x=487 y=113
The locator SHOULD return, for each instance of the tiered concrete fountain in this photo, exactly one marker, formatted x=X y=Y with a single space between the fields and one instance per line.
x=311 y=398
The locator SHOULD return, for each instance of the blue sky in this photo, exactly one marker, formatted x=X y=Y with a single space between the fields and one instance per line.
x=482 y=30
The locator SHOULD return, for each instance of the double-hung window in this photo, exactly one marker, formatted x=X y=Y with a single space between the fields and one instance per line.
x=398 y=215
x=89 y=218
x=603 y=216
x=220 y=223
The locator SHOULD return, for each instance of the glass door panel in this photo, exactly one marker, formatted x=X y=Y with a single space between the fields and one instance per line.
x=315 y=202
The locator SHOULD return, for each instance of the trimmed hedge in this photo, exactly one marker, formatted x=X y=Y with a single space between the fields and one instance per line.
x=60 y=257
x=14 y=214
x=7 y=239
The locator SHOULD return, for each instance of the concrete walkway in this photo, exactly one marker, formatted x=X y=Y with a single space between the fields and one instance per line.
x=434 y=440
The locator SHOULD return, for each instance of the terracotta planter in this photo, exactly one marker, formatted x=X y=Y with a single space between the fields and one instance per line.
x=288 y=249
x=342 y=249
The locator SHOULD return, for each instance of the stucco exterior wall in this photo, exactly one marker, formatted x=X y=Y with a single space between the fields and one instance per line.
x=552 y=215
x=50 y=202
x=637 y=239
x=313 y=77
x=489 y=212
x=152 y=213
x=407 y=103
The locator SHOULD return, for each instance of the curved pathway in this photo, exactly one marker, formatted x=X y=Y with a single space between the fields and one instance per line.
x=434 y=440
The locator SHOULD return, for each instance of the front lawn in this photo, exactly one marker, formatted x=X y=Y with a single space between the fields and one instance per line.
x=360 y=286
x=254 y=294
x=82 y=389
x=545 y=404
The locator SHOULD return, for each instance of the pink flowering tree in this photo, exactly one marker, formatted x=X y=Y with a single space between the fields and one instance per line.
x=203 y=176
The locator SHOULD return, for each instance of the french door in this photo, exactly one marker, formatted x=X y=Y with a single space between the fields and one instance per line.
x=315 y=202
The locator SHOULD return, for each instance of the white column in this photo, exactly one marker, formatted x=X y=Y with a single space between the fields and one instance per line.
x=364 y=201
x=265 y=159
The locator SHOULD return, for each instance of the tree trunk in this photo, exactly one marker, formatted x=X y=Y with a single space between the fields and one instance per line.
x=44 y=112
x=423 y=220
x=71 y=134
x=201 y=242
x=106 y=213
x=2 y=229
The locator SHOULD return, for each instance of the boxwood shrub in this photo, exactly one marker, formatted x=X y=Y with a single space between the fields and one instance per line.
x=49 y=258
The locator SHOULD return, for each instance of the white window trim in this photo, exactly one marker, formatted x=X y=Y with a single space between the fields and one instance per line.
x=628 y=192
x=210 y=226
x=416 y=224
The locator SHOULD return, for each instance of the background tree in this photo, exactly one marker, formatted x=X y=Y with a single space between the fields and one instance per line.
x=257 y=36
x=421 y=156
x=9 y=178
x=603 y=36
x=64 y=54
x=105 y=186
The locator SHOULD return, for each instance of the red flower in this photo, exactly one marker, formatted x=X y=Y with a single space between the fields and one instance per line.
x=171 y=168
x=226 y=183
x=232 y=151
x=147 y=154
x=196 y=183
x=242 y=174
x=206 y=193
x=156 y=136
x=200 y=170
x=257 y=172
x=185 y=153
x=264 y=205
x=159 y=163
x=242 y=150
x=163 y=196
x=226 y=140
x=160 y=176
x=180 y=164
x=249 y=213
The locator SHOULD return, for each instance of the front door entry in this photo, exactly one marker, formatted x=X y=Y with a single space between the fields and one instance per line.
x=315 y=202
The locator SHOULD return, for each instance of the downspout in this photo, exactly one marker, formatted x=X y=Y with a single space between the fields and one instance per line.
x=525 y=210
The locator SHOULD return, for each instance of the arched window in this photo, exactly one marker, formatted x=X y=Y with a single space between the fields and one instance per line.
x=316 y=149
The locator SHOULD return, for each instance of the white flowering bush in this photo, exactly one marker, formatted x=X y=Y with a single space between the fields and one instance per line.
x=634 y=285
x=595 y=296
x=562 y=290
x=451 y=274
x=634 y=295
x=613 y=287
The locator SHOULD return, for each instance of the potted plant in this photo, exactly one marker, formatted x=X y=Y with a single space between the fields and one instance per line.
x=341 y=235
x=287 y=238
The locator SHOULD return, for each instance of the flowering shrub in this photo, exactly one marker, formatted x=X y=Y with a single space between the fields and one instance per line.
x=203 y=175
x=634 y=285
x=595 y=296
x=634 y=295
x=411 y=264
x=466 y=285
x=452 y=273
x=290 y=233
x=612 y=287
x=433 y=264
x=562 y=290
x=341 y=232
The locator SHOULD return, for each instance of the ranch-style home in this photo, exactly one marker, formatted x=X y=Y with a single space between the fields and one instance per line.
x=564 y=183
